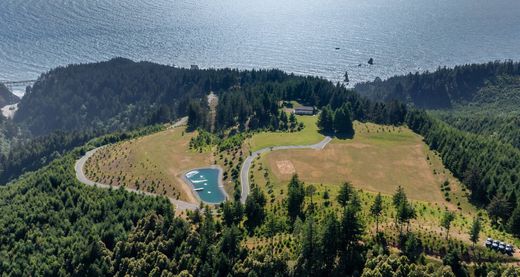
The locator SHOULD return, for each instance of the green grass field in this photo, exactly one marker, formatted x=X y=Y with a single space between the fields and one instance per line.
x=309 y=135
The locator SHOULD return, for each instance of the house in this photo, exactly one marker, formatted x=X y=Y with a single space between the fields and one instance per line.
x=303 y=110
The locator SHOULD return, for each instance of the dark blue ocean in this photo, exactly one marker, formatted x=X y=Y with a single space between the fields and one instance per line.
x=298 y=36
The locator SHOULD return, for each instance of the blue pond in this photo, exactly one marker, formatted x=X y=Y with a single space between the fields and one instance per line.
x=205 y=182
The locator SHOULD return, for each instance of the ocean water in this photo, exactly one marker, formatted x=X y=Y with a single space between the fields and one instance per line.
x=299 y=36
x=206 y=183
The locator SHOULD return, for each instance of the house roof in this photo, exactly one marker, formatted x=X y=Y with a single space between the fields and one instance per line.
x=304 y=108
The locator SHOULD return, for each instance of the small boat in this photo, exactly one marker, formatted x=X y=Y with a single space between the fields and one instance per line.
x=199 y=189
x=191 y=173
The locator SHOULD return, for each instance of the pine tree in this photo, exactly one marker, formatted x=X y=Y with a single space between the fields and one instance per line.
x=310 y=190
x=513 y=223
x=326 y=120
x=343 y=121
x=377 y=209
x=295 y=198
x=399 y=197
x=308 y=263
x=499 y=207
x=329 y=243
x=345 y=193
x=446 y=220
x=474 y=232
x=352 y=229
x=255 y=209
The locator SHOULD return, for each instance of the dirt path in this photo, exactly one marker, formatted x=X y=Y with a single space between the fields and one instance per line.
x=212 y=103
x=246 y=166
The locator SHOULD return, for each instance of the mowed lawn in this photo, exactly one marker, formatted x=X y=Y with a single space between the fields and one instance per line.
x=153 y=163
x=377 y=159
x=309 y=135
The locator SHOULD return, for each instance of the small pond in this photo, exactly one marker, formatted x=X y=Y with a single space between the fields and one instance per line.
x=206 y=183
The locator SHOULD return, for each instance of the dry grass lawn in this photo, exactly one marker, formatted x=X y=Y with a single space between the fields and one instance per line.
x=153 y=163
x=377 y=159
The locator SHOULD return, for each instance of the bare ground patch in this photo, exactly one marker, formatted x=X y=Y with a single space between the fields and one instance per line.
x=285 y=167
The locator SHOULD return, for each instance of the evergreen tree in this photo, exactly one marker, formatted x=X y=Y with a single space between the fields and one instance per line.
x=405 y=213
x=345 y=193
x=474 y=232
x=514 y=222
x=329 y=244
x=310 y=190
x=499 y=208
x=352 y=229
x=412 y=247
x=326 y=120
x=343 y=121
x=377 y=209
x=227 y=213
x=255 y=209
x=295 y=198
x=399 y=197
x=308 y=262
x=446 y=220
x=452 y=259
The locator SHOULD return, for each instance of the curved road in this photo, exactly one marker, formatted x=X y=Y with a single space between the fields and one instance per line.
x=183 y=205
x=246 y=166
x=80 y=175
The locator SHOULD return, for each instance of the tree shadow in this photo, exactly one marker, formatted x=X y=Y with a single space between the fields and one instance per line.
x=342 y=136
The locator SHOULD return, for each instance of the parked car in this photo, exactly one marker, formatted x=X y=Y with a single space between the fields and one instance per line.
x=502 y=247
x=495 y=244
x=489 y=243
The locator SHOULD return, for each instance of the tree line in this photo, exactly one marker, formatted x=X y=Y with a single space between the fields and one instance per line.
x=489 y=168
x=441 y=89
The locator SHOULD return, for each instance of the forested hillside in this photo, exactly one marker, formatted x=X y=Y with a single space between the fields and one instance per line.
x=70 y=105
x=51 y=225
x=487 y=166
x=6 y=97
x=505 y=128
x=494 y=112
x=121 y=94
x=447 y=87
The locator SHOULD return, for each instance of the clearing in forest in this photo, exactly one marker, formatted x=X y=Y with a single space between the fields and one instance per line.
x=153 y=163
x=377 y=159
x=309 y=135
